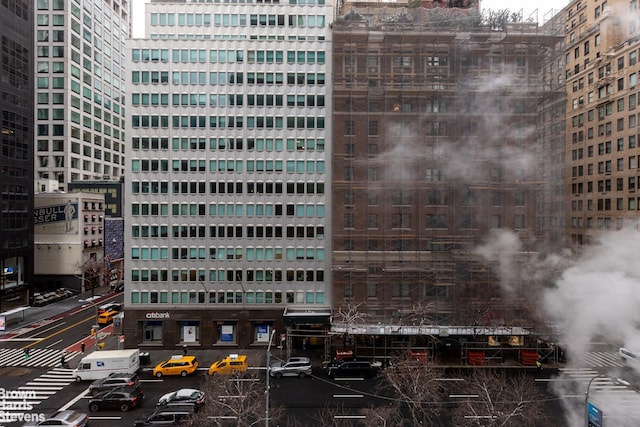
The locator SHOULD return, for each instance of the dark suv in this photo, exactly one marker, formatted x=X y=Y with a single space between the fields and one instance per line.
x=168 y=416
x=123 y=398
x=350 y=368
x=113 y=380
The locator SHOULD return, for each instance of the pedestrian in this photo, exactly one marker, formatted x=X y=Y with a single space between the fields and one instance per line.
x=82 y=347
x=184 y=349
x=304 y=343
x=63 y=363
x=538 y=365
x=26 y=354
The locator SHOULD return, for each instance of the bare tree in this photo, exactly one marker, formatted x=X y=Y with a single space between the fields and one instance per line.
x=502 y=400
x=416 y=390
x=236 y=400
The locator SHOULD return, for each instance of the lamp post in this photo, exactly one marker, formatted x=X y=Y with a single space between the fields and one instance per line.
x=266 y=411
x=586 y=397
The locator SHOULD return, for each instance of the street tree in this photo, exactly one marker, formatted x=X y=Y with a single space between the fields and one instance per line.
x=416 y=390
x=499 y=399
x=237 y=400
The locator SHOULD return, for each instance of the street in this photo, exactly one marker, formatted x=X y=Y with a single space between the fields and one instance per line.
x=39 y=381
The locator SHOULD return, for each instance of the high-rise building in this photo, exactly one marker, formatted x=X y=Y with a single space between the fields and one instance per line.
x=16 y=155
x=227 y=206
x=436 y=164
x=79 y=89
x=602 y=151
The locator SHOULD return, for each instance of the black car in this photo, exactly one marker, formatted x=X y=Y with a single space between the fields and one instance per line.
x=112 y=381
x=351 y=368
x=168 y=416
x=123 y=398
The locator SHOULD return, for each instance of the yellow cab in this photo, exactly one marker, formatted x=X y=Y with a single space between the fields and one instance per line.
x=106 y=317
x=229 y=365
x=177 y=365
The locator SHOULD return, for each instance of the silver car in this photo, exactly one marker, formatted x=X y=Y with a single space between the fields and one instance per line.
x=294 y=367
x=62 y=418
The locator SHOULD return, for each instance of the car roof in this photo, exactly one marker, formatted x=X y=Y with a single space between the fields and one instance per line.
x=186 y=392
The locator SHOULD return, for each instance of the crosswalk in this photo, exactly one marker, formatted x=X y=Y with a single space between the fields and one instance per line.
x=599 y=359
x=38 y=357
x=26 y=398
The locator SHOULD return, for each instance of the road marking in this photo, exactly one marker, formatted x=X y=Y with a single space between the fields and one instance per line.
x=51 y=345
x=58 y=333
x=18 y=339
x=338 y=396
x=463 y=396
x=48 y=329
x=349 y=379
x=150 y=381
x=349 y=417
x=74 y=400
x=105 y=418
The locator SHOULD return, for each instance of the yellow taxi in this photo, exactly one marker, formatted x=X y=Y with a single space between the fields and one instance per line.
x=177 y=365
x=106 y=317
x=229 y=365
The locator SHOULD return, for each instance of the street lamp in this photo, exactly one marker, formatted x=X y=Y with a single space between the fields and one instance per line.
x=266 y=418
x=595 y=409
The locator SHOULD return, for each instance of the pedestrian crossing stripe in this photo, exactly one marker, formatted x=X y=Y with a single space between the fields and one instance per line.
x=38 y=357
x=601 y=359
x=41 y=388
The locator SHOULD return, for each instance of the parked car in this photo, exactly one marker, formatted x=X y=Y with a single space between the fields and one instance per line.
x=164 y=416
x=62 y=418
x=123 y=398
x=293 y=367
x=184 y=396
x=350 y=368
x=112 y=381
x=177 y=365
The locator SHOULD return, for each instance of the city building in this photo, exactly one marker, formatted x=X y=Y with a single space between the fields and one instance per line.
x=16 y=152
x=79 y=89
x=228 y=210
x=602 y=151
x=69 y=241
x=437 y=176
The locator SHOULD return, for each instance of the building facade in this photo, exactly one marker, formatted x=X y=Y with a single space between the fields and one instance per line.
x=69 y=241
x=79 y=94
x=228 y=213
x=16 y=155
x=602 y=151
x=436 y=159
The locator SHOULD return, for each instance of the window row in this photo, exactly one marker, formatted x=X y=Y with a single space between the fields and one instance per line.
x=223 y=122
x=228 y=253
x=236 y=209
x=234 y=20
x=224 y=100
x=250 y=231
x=226 y=275
x=219 y=297
x=229 y=56
x=200 y=187
x=225 y=78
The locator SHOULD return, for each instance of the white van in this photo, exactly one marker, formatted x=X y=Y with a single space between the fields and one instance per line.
x=100 y=364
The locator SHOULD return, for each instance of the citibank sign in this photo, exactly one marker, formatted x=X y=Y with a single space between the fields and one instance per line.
x=158 y=315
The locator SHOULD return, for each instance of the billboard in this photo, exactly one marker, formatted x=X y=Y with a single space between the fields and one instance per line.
x=57 y=219
x=594 y=415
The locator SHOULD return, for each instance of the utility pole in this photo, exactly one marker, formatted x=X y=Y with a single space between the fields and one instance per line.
x=266 y=417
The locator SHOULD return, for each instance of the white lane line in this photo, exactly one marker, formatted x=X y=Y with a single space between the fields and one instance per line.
x=74 y=400
x=338 y=396
x=52 y=344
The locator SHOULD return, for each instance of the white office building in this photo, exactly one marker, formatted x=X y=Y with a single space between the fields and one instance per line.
x=79 y=94
x=227 y=199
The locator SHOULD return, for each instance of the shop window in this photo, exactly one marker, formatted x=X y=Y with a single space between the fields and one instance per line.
x=227 y=333
x=189 y=331
x=152 y=331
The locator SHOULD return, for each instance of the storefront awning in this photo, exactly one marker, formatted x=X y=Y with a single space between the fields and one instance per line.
x=307 y=317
